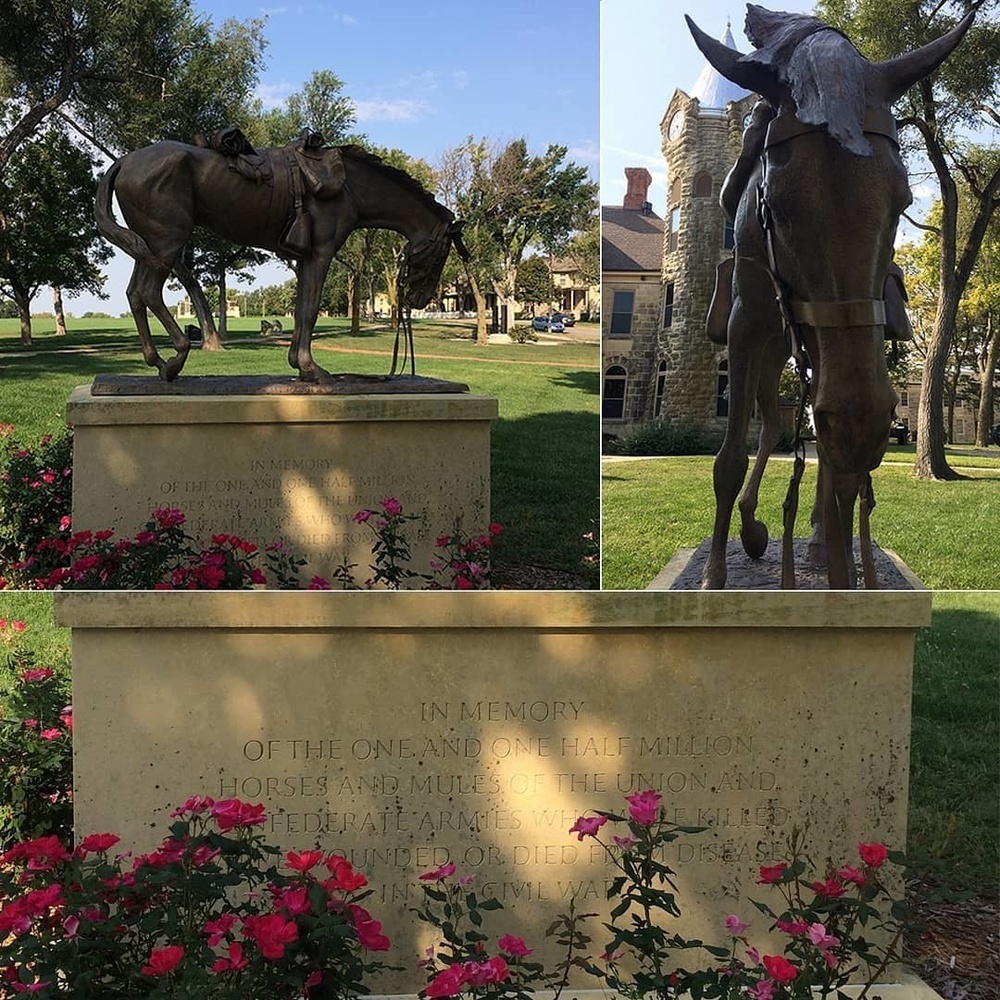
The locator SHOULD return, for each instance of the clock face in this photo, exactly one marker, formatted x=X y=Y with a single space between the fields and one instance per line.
x=676 y=125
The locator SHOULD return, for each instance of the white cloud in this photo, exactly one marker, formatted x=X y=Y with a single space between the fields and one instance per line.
x=425 y=82
x=924 y=190
x=460 y=78
x=272 y=95
x=589 y=152
x=400 y=110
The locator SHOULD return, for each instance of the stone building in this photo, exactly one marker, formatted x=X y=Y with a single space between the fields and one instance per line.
x=657 y=358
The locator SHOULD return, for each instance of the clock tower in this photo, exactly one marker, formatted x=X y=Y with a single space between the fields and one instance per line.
x=701 y=136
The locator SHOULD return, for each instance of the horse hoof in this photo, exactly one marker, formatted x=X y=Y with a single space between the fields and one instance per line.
x=754 y=540
x=172 y=368
x=713 y=578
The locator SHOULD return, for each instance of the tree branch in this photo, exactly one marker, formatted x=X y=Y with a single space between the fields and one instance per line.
x=93 y=140
x=921 y=225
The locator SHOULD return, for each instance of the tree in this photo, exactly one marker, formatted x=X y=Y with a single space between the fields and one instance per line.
x=585 y=251
x=974 y=343
x=534 y=285
x=119 y=71
x=511 y=201
x=933 y=115
x=47 y=231
x=318 y=106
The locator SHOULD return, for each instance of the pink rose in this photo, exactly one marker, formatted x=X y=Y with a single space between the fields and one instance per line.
x=644 y=807
x=304 y=861
x=513 y=946
x=587 y=826
x=163 y=960
x=442 y=872
x=779 y=968
x=873 y=854
x=392 y=506
x=769 y=874
x=735 y=926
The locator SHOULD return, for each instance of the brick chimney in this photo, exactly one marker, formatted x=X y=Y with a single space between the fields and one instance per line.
x=638 y=179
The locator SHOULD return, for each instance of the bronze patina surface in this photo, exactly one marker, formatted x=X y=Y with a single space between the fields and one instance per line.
x=301 y=202
x=817 y=197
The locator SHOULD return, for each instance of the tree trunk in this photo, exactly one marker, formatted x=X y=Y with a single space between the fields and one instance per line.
x=354 y=298
x=223 y=305
x=22 y=298
x=482 y=329
x=931 y=462
x=57 y=308
x=984 y=420
x=206 y=321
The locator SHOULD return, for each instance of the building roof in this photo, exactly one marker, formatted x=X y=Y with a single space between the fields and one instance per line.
x=712 y=89
x=630 y=240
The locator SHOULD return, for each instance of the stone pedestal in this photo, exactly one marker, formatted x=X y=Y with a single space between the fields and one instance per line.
x=296 y=467
x=410 y=729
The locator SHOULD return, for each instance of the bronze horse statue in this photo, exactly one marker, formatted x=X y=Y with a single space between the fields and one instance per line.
x=814 y=229
x=300 y=202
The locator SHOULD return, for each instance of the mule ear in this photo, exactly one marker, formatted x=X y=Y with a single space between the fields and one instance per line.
x=894 y=77
x=748 y=75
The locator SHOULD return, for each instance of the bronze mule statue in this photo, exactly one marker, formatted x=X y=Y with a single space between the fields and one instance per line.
x=814 y=238
x=300 y=202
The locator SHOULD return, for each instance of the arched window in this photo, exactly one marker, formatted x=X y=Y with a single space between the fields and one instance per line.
x=703 y=185
x=675 y=191
x=661 y=383
x=722 y=389
x=675 y=228
x=615 y=381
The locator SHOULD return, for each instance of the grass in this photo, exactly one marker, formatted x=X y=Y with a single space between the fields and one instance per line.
x=954 y=828
x=954 y=814
x=946 y=532
x=545 y=445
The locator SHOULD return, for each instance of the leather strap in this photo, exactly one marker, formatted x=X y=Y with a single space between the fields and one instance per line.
x=850 y=312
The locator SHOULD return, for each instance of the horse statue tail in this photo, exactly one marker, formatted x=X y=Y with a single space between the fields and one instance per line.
x=133 y=244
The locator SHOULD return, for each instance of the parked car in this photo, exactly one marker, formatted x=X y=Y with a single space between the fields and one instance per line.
x=548 y=324
x=568 y=319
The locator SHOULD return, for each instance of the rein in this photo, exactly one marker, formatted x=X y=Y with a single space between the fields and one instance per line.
x=796 y=312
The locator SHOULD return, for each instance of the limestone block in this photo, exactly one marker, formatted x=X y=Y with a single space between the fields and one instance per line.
x=294 y=467
x=409 y=729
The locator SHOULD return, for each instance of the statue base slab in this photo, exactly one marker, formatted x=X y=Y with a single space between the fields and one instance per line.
x=684 y=570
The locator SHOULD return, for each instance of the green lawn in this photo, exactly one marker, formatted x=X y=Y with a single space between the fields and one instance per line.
x=946 y=532
x=545 y=445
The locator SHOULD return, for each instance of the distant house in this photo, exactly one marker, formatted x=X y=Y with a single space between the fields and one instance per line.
x=658 y=274
x=575 y=295
x=631 y=296
x=964 y=424
x=186 y=311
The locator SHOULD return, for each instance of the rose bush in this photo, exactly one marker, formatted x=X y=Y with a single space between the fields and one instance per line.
x=842 y=927
x=36 y=758
x=213 y=912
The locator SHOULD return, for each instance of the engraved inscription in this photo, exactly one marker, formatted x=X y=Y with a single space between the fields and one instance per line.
x=494 y=786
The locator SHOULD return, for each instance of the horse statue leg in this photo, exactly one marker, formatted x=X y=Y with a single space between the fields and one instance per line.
x=145 y=290
x=311 y=275
x=731 y=463
x=840 y=492
x=753 y=533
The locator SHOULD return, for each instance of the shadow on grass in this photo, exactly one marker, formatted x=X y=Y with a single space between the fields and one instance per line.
x=583 y=381
x=546 y=485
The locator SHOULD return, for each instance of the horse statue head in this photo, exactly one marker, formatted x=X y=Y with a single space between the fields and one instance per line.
x=815 y=227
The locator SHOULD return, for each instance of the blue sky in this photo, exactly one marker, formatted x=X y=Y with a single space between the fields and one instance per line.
x=646 y=54
x=424 y=76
